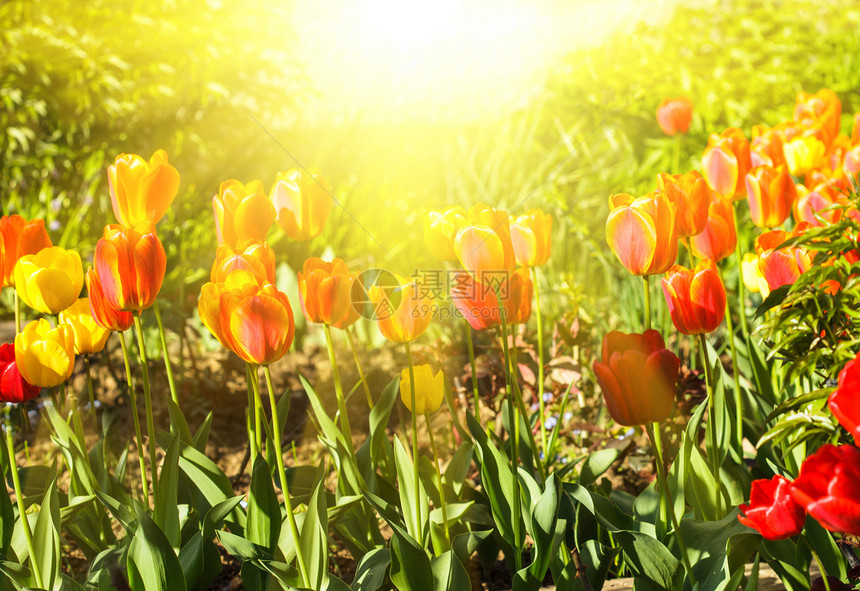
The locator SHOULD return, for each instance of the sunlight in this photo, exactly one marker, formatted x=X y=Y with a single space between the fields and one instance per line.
x=408 y=24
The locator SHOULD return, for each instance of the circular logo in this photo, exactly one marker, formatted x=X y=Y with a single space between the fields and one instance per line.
x=386 y=291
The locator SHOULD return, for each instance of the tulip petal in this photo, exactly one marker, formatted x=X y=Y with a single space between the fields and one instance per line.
x=261 y=327
x=632 y=237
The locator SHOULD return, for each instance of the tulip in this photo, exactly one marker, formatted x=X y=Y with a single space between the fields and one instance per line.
x=719 y=238
x=637 y=375
x=13 y=387
x=440 y=230
x=692 y=198
x=752 y=276
x=103 y=313
x=531 y=236
x=479 y=302
x=50 y=280
x=255 y=322
x=771 y=510
x=674 y=115
x=429 y=389
x=813 y=205
x=302 y=202
x=822 y=108
x=725 y=163
x=18 y=238
x=45 y=355
x=770 y=193
x=642 y=233
x=256 y=259
x=324 y=290
x=766 y=147
x=827 y=488
x=844 y=402
x=90 y=337
x=352 y=314
x=403 y=312
x=804 y=154
x=696 y=298
x=781 y=266
x=243 y=213
x=141 y=191
x=130 y=268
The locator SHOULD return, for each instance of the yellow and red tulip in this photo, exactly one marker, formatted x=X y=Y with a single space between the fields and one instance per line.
x=822 y=108
x=440 y=230
x=479 y=303
x=696 y=297
x=752 y=275
x=719 y=238
x=725 y=163
x=19 y=237
x=642 y=234
x=302 y=203
x=324 y=290
x=484 y=246
x=531 y=236
x=691 y=196
x=103 y=313
x=429 y=389
x=766 y=147
x=781 y=266
x=141 y=192
x=256 y=259
x=50 y=280
x=243 y=213
x=804 y=154
x=45 y=355
x=811 y=205
x=90 y=336
x=130 y=268
x=674 y=115
x=770 y=193
x=404 y=312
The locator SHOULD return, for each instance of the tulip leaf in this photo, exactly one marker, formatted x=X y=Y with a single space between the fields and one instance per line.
x=708 y=541
x=650 y=559
x=18 y=574
x=464 y=545
x=152 y=563
x=178 y=424
x=458 y=467
x=700 y=480
x=167 y=516
x=46 y=537
x=782 y=556
x=410 y=565
x=448 y=573
x=264 y=510
x=7 y=513
x=201 y=436
x=413 y=503
x=372 y=569
x=242 y=548
x=313 y=538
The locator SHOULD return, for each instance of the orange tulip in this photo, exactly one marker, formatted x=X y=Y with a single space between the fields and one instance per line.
x=141 y=191
x=352 y=311
x=770 y=193
x=104 y=314
x=479 y=302
x=637 y=375
x=324 y=290
x=243 y=213
x=130 y=268
x=674 y=115
x=253 y=321
x=256 y=259
x=692 y=198
x=484 y=247
x=440 y=230
x=766 y=147
x=821 y=108
x=404 y=312
x=813 y=205
x=781 y=266
x=302 y=202
x=726 y=162
x=531 y=236
x=642 y=234
x=696 y=298
x=18 y=237
x=719 y=238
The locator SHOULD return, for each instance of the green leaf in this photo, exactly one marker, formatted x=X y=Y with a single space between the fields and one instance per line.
x=371 y=570
x=46 y=537
x=410 y=566
x=464 y=545
x=263 y=525
x=178 y=424
x=152 y=563
x=413 y=503
x=217 y=514
x=448 y=573
x=167 y=516
x=650 y=559
x=458 y=467
x=596 y=464
x=314 y=534
x=201 y=437
x=708 y=542
x=242 y=548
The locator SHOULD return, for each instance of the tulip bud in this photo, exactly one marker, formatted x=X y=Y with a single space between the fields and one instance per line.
x=404 y=312
x=719 y=238
x=770 y=193
x=141 y=192
x=302 y=202
x=130 y=268
x=696 y=298
x=45 y=355
x=771 y=510
x=324 y=290
x=429 y=389
x=440 y=230
x=243 y=213
x=674 y=115
x=844 y=402
x=827 y=487
x=256 y=259
x=725 y=163
x=89 y=336
x=692 y=198
x=50 y=280
x=103 y=313
x=531 y=236
x=804 y=154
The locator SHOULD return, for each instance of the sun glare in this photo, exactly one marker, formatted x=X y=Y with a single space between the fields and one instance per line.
x=409 y=24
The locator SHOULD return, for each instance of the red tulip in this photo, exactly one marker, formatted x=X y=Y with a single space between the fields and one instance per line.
x=130 y=268
x=781 y=266
x=719 y=238
x=827 y=488
x=696 y=298
x=844 y=402
x=104 y=314
x=771 y=510
x=674 y=115
x=637 y=375
x=18 y=238
x=13 y=387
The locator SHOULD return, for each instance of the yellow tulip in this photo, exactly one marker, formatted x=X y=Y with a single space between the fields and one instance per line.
x=45 y=355
x=752 y=276
x=429 y=389
x=804 y=154
x=89 y=336
x=531 y=237
x=50 y=280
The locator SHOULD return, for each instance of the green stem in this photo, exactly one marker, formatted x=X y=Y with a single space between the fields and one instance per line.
x=91 y=393
x=818 y=562
x=133 y=399
x=442 y=503
x=338 y=388
x=513 y=417
x=540 y=361
x=76 y=418
x=739 y=403
x=167 y=365
x=358 y=367
x=738 y=261
x=470 y=345
x=666 y=496
x=282 y=474
x=521 y=409
x=22 y=510
x=150 y=423
x=258 y=408
x=713 y=451
x=418 y=537
x=647 y=303
x=253 y=442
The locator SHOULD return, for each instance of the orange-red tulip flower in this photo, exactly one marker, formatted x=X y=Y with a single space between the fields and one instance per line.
x=642 y=233
x=302 y=202
x=479 y=302
x=256 y=259
x=130 y=268
x=813 y=205
x=823 y=108
x=104 y=314
x=766 y=147
x=770 y=193
x=674 y=115
x=531 y=235
x=696 y=298
x=404 y=312
x=243 y=213
x=18 y=237
x=781 y=266
x=324 y=290
x=440 y=230
x=752 y=275
x=352 y=311
x=844 y=402
x=637 y=375
x=50 y=280
x=141 y=191
x=255 y=322
x=90 y=336
x=726 y=162
x=692 y=198
x=719 y=238
x=484 y=246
